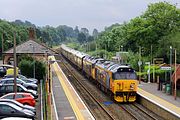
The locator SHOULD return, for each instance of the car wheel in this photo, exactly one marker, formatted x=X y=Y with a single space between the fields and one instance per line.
x=26 y=104
x=30 y=88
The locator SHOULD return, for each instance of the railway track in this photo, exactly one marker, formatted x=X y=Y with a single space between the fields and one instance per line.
x=138 y=112
x=98 y=111
x=93 y=99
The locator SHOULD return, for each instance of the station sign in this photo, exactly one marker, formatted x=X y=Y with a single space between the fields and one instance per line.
x=158 y=61
x=165 y=68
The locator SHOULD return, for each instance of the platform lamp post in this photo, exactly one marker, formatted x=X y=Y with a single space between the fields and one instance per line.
x=175 y=76
x=122 y=54
x=148 y=63
x=170 y=62
x=139 y=64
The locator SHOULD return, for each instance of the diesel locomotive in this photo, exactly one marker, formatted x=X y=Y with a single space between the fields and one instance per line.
x=120 y=81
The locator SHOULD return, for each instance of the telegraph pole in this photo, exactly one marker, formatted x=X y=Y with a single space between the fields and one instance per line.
x=2 y=45
x=15 y=84
x=34 y=69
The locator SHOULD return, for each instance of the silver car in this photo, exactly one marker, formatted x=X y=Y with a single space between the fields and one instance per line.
x=33 y=109
x=31 y=86
x=12 y=110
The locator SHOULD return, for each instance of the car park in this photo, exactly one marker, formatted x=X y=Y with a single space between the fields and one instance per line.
x=19 y=81
x=12 y=110
x=9 y=88
x=24 y=98
x=19 y=104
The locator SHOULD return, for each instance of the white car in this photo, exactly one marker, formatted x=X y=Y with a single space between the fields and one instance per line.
x=16 y=118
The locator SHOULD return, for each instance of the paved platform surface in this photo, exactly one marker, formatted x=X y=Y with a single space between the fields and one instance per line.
x=164 y=100
x=152 y=88
x=67 y=103
x=62 y=104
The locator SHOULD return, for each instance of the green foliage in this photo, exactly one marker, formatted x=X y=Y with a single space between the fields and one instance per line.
x=26 y=66
x=81 y=37
x=158 y=27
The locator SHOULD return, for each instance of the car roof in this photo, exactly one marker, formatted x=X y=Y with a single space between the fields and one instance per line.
x=12 y=84
x=18 y=93
x=6 y=65
x=16 y=118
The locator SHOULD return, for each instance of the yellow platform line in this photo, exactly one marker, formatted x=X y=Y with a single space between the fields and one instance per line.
x=160 y=102
x=67 y=91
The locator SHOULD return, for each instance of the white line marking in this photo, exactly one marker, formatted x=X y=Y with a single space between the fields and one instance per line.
x=54 y=104
x=69 y=118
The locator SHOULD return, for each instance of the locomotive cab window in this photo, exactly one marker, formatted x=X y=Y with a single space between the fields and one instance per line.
x=126 y=73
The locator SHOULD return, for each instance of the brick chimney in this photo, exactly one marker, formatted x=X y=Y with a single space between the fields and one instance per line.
x=31 y=33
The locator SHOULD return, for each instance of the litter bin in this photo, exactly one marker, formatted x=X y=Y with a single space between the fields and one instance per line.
x=164 y=87
x=168 y=89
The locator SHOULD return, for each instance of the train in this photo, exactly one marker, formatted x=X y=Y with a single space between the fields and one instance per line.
x=119 y=81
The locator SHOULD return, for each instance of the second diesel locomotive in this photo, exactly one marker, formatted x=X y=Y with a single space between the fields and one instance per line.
x=120 y=81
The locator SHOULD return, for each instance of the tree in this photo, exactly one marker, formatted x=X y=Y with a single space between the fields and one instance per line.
x=95 y=33
x=76 y=31
x=85 y=31
x=81 y=37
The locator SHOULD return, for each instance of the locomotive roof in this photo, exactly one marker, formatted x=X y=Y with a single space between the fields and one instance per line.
x=81 y=54
x=120 y=68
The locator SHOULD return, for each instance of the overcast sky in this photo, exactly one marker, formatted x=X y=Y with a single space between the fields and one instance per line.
x=82 y=13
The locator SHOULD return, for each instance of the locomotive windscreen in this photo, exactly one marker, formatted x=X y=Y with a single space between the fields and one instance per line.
x=125 y=73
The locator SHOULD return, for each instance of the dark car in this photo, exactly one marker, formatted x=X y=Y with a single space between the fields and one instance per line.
x=19 y=81
x=9 y=88
x=19 y=104
x=12 y=110
x=24 y=78
x=2 y=71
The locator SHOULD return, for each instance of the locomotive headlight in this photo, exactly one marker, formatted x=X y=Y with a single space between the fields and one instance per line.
x=132 y=86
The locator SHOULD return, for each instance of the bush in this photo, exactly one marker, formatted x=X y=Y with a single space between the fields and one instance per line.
x=27 y=68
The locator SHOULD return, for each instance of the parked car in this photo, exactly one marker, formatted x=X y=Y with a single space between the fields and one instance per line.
x=22 y=77
x=5 y=67
x=19 y=104
x=2 y=71
x=9 y=88
x=24 y=98
x=19 y=81
x=12 y=110
x=16 y=118
x=33 y=80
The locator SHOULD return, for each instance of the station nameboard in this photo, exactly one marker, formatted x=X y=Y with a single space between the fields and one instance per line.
x=165 y=68
x=158 y=60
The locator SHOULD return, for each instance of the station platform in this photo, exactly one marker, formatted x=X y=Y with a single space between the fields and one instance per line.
x=149 y=91
x=67 y=104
